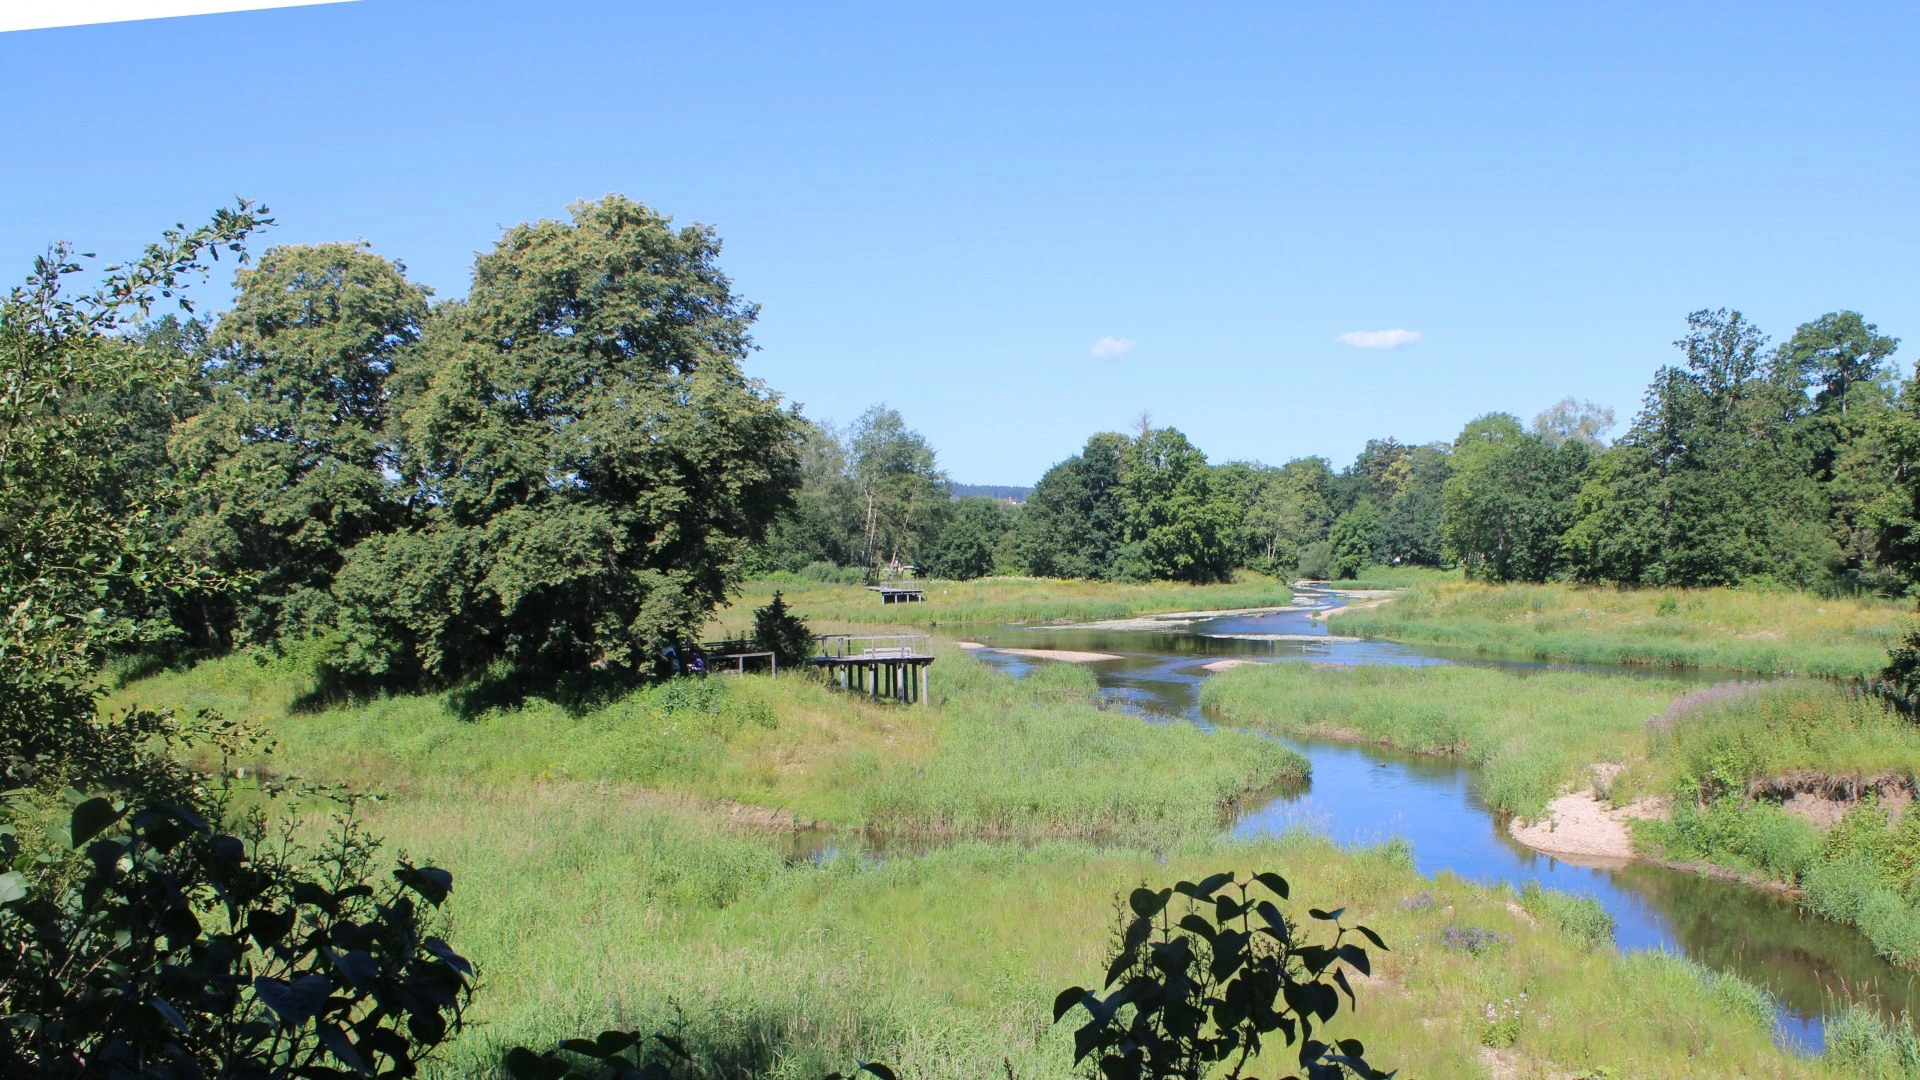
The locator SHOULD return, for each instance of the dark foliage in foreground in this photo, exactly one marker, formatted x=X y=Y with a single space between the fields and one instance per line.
x=1209 y=988
x=154 y=944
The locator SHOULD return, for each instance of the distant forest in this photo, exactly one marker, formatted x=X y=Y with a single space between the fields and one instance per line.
x=1749 y=462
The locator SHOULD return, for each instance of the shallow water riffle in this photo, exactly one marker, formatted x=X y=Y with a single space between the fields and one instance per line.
x=1368 y=794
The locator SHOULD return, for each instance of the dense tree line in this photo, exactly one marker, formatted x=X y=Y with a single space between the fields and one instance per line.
x=1793 y=465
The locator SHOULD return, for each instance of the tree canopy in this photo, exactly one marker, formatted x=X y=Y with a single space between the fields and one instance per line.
x=589 y=465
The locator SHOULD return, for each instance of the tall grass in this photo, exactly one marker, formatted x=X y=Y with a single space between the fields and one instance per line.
x=584 y=911
x=1863 y=1044
x=995 y=756
x=1744 y=629
x=1778 y=732
x=1002 y=600
x=1529 y=733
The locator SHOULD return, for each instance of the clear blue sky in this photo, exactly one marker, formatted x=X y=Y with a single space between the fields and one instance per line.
x=945 y=210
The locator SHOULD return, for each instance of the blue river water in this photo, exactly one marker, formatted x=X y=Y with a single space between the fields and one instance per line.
x=1367 y=794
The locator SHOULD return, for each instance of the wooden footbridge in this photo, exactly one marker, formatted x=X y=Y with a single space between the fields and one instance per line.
x=890 y=666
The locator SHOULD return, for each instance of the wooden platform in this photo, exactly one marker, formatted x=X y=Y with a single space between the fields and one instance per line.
x=890 y=666
x=900 y=592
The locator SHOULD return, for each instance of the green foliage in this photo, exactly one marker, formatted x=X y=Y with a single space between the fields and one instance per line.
x=1758 y=836
x=151 y=943
x=1863 y=1044
x=293 y=449
x=1352 y=542
x=1186 y=996
x=1179 y=525
x=592 y=467
x=1716 y=481
x=824 y=526
x=1581 y=918
x=84 y=567
x=1506 y=500
x=1406 y=483
x=782 y=633
x=900 y=492
x=1287 y=509
x=970 y=540
x=1315 y=561
x=1072 y=525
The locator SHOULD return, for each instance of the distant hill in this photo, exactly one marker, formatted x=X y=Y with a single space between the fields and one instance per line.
x=991 y=491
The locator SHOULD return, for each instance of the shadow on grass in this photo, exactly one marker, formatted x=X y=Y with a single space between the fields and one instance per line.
x=501 y=687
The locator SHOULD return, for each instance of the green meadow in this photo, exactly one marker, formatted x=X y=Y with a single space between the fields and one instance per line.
x=1763 y=630
x=584 y=911
x=1002 y=600
x=993 y=756
x=628 y=863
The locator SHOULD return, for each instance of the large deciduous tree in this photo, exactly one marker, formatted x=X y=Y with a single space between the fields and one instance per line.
x=970 y=542
x=1179 y=524
x=901 y=493
x=1072 y=524
x=589 y=463
x=1506 y=502
x=1712 y=484
x=292 y=446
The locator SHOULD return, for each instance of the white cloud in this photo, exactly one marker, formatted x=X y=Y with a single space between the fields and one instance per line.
x=1378 y=339
x=1111 y=348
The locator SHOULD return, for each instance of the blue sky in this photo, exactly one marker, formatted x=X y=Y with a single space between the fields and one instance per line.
x=949 y=209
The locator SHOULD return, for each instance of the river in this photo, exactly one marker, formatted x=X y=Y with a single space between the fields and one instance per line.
x=1367 y=794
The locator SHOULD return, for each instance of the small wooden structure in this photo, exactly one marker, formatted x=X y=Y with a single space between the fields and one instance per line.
x=739 y=653
x=891 y=666
x=899 y=592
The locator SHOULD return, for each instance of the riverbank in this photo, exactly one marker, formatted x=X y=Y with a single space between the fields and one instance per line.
x=1797 y=787
x=611 y=869
x=1777 y=632
x=1807 y=785
x=1531 y=735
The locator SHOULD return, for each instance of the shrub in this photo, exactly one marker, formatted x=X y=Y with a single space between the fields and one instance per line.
x=1756 y=834
x=1184 y=997
x=1579 y=917
x=777 y=630
x=152 y=943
